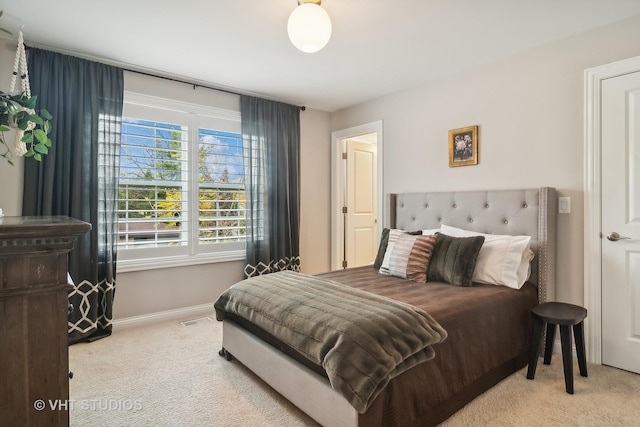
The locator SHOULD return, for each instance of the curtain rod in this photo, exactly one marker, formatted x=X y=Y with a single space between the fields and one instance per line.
x=195 y=85
x=125 y=67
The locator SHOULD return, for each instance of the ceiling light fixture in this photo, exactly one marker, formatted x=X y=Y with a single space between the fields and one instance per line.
x=309 y=26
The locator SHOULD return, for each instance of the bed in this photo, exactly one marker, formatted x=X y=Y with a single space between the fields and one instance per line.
x=488 y=326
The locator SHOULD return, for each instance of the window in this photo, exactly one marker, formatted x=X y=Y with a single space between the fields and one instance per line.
x=181 y=185
x=221 y=195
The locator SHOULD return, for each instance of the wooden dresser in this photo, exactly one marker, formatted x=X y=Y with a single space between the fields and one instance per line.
x=34 y=357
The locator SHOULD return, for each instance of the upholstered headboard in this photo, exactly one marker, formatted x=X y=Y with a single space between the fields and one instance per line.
x=529 y=212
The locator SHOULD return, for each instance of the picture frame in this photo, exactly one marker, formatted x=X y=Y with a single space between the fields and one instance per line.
x=463 y=146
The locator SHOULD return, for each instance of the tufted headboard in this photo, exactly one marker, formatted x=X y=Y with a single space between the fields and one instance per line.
x=529 y=212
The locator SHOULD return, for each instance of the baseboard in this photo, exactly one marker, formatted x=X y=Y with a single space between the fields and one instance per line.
x=557 y=348
x=185 y=313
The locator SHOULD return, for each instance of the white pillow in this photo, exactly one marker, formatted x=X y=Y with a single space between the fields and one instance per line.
x=393 y=237
x=503 y=259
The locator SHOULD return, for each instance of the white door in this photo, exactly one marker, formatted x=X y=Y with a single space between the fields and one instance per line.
x=621 y=215
x=360 y=220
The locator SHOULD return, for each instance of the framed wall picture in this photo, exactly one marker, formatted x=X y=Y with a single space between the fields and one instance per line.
x=463 y=146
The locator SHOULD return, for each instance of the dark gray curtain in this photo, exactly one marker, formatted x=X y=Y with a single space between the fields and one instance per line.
x=271 y=138
x=78 y=178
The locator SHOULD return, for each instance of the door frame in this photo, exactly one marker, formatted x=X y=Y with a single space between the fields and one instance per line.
x=593 y=198
x=337 y=184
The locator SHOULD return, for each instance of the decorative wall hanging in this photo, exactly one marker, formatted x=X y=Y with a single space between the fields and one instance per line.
x=463 y=146
x=18 y=113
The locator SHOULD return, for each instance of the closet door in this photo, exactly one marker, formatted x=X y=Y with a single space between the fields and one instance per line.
x=621 y=222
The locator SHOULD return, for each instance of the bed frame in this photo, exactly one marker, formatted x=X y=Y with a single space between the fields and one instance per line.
x=529 y=212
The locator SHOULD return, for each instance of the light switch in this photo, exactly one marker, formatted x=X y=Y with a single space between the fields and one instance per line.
x=564 y=205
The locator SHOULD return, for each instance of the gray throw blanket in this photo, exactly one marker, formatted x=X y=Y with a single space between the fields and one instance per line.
x=362 y=340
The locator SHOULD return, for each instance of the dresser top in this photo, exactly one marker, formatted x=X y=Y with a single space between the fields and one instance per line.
x=24 y=227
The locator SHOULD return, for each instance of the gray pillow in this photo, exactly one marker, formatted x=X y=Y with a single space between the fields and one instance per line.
x=454 y=259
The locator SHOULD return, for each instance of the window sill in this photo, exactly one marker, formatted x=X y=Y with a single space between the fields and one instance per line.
x=125 y=266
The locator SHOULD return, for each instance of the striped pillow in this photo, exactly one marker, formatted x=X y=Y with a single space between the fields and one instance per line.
x=409 y=256
x=389 y=236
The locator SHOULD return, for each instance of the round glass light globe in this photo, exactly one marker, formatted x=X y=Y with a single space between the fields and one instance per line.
x=309 y=27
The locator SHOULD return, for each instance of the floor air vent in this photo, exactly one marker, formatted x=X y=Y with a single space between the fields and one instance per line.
x=195 y=321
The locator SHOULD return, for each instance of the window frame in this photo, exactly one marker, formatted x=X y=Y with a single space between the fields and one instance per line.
x=193 y=253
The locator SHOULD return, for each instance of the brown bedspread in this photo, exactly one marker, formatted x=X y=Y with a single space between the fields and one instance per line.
x=489 y=336
x=361 y=339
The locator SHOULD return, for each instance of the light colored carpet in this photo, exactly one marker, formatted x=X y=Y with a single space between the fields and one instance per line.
x=171 y=375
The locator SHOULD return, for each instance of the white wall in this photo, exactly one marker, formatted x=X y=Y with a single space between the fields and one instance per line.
x=10 y=176
x=315 y=192
x=530 y=111
x=150 y=291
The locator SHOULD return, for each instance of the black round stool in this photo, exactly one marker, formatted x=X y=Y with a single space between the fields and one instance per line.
x=565 y=315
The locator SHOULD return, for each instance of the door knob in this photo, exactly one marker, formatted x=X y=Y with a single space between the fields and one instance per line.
x=614 y=237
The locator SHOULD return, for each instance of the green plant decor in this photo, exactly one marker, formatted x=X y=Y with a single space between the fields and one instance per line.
x=18 y=112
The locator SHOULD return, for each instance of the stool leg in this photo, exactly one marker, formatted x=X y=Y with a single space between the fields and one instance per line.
x=567 y=357
x=578 y=333
x=534 y=353
x=548 y=345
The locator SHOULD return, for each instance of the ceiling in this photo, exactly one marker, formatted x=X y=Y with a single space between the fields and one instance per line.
x=377 y=46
